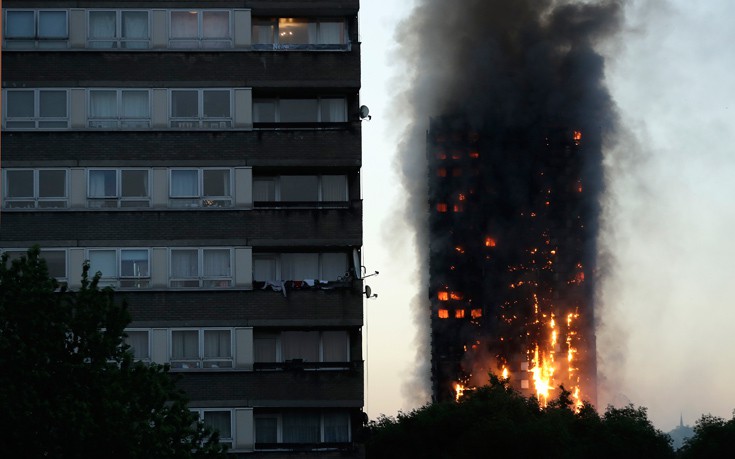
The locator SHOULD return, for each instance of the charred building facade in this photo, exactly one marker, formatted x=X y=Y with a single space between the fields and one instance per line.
x=512 y=231
x=205 y=157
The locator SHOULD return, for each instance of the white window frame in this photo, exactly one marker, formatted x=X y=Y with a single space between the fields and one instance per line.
x=276 y=45
x=277 y=101
x=201 y=280
x=62 y=280
x=199 y=200
x=119 y=280
x=118 y=41
x=147 y=331
x=35 y=199
x=118 y=121
x=118 y=200
x=202 y=362
x=201 y=121
x=35 y=41
x=39 y=122
x=201 y=41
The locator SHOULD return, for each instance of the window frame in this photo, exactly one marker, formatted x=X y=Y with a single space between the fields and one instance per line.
x=120 y=121
x=279 y=415
x=119 y=280
x=118 y=40
x=230 y=441
x=281 y=360
x=278 y=257
x=36 y=39
x=277 y=198
x=63 y=280
x=276 y=44
x=36 y=119
x=200 y=40
x=278 y=100
x=36 y=198
x=201 y=362
x=147 y=331
x=202 y=281
x=118 y=199
x=200 y=200
x=201 y=121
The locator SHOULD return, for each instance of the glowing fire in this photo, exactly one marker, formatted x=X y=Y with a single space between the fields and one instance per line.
x=443 y=313
x=489 y=242
x=458 y=391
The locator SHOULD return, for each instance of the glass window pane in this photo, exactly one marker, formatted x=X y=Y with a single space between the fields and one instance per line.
x=52 y=104
x=102 y=24
x=301 y=427
x=264 y=111
x=296 y=31
x=184 y=104
x=217 y=344
x=216 y=182
x=103 y=104
x=184 y=24
x=263 y=31
x=56 y=262
x=184 y=263
x=265 y=347
x=300 y=345
x=51 y=184
x=134 y=24
x=52 y=24
x=336 y=427
x=102 y=184
x=104 y=261
x=217 y=263
x=335 y=346
x=298 y=110
x=20 y=24
x=334 y=188
x=301 y=188
x=20 y=184
x=184 y=183
x=135 y=104
x=333 y=266
x=332 y=33
x=185 y=344
x=138 y=342
x=264 y=189
x=266 y=430
x=20 y=104
x=333 y=110
x=264 y=269
x=217 y=104
x=134 y=263
x=134 y=183
x=299 y=266
x=220 y=421
x=215 y=24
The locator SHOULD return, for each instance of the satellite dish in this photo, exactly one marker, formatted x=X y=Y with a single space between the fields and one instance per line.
x=365 y=112
x=369 y=292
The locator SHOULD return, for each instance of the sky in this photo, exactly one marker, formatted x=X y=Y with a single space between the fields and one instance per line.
x=666 y=318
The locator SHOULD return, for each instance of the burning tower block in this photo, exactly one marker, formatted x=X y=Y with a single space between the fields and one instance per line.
x=513 y=222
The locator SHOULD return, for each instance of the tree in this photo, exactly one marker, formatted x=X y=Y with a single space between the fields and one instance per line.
x=713 y=438
x=496 y=421
x=69 y=386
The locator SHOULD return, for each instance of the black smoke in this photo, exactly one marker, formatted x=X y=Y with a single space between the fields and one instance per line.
x=510 y=80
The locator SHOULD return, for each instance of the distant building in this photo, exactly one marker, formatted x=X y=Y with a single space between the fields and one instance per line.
x=205 y=157
x=680 y=434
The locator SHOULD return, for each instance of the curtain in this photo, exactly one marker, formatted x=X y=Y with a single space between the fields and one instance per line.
x=333 y=110
x=335 y=346
x=102 y=183
x=135 y=104
x=266 y=430
x=185 y=345
x=299 y=266
x=331 y=33
x=184 y=183
x=216 y=24
x=264 y=269
x=20 y=24
x=184 y=264
x=103 y=104
x=104 y=261
x=263 y=32
x=333 y=266
x=138 y=342
x=336 y=427
x=134 y=25
x=134 y=263
x=102 y=25
x=264 y=189
x=219 y=420
x=184 y=24
x=301 y=427
x=300 y=345
x=217 y=344
x=334 y=188
x=216 y=263
x=265 y=348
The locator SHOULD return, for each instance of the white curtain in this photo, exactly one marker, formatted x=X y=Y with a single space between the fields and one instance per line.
x=135 y=104
x=331 y=33
x=216 y=24
x=299 y=266
x=184 y=264
x=217 y=344
x=104 y=261
x=220 y=421
x=102 y=24
x=264 y=269
x=216 y=263
x=301 y=427
x=184 y=183
x=134 y=25
x=184 y=24
x=300 y=345
x=185 y=345
x=103 y=104
x=333 y=110
x=334 y=187
x=336 y=427
x=333 y=266
x=138 y=341
x=335 y=346
x=102 y=183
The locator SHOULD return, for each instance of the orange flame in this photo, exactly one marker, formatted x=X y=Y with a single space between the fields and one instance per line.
x=444 y=313
x=443 y=296
x=489 y=242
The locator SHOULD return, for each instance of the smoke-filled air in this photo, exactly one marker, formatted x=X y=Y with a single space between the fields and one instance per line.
x=502 y=162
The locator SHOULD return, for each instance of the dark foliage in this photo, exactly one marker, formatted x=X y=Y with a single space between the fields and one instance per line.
x=713 y=438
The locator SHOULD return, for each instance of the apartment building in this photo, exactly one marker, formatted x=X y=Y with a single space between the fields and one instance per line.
x=205 y=157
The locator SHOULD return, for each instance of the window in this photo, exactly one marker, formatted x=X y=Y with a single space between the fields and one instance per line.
x=266 y=429
x=194 y=268
x=36 y=29
x=118 y=29
x=219 y=420
x=208 y=348
x=118 y=188
x=55 y=261
x=201 y=108
x=295 y=189
x=124 y=268
x=119 y=108
x=138 y=340
x=319 y=110
x=200 y=188
x=307 y=267
x=300 y=427
x=200 y=29
x=299 y=33
x=331 y=346
x=42 y=189
x=36 y=108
